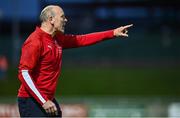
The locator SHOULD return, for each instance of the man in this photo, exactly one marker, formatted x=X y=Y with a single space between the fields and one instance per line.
x=41 y=58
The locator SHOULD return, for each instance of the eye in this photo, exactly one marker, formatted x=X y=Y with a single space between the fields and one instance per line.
x=63 y=17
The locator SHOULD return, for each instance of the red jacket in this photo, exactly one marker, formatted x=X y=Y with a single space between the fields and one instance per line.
x=41 y=58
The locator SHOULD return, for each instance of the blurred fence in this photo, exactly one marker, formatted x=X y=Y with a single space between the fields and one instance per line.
x=71 y=110
x=108 y=106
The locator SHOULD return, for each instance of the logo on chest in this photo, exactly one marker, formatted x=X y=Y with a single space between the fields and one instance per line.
x=49 y=46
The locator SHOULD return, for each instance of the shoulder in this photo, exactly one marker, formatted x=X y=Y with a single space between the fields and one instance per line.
x=34 y=39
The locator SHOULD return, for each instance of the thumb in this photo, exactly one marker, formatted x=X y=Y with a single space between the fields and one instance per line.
x=124 y=35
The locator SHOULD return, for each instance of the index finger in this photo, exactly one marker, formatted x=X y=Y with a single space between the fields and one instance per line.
x=56 y=113
x=127 y=26
x=55 y=110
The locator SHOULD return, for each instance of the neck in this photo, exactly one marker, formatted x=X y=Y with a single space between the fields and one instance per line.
x=48 y=29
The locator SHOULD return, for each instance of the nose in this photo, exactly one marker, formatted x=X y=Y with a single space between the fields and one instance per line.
x=65 y=20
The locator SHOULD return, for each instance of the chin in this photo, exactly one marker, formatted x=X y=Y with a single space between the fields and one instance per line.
x=62 y=30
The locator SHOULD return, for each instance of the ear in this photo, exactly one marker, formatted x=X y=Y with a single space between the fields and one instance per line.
x=52 y=20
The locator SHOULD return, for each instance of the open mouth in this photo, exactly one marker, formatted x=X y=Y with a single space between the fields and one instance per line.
x=64 y=24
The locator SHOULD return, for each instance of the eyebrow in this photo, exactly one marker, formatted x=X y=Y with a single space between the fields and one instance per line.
x=62 y=15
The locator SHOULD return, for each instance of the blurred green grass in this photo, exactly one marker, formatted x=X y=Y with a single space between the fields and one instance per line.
x=116 y=81
x=120 y=81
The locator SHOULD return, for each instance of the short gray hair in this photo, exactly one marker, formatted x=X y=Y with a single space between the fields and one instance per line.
x=46 y=13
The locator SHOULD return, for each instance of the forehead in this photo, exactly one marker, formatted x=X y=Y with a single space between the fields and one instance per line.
x=59 y=10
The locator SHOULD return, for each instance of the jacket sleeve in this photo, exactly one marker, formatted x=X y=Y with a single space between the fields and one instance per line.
x=29 y=58
x=72 y=41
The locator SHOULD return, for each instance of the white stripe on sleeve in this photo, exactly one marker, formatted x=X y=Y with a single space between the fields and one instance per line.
x=30 y=83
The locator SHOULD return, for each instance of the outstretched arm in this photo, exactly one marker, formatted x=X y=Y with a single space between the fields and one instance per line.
x=71 y=41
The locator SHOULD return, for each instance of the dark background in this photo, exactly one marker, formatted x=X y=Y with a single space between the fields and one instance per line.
x=144 y=64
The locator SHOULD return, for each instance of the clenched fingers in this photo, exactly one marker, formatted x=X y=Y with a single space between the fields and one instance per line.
x=50 y=107
x=52 y=110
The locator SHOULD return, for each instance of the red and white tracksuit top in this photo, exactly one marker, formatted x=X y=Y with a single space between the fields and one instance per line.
x=41 y=58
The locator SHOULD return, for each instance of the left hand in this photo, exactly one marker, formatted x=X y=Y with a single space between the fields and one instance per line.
x=50 y=107
x=122 y=31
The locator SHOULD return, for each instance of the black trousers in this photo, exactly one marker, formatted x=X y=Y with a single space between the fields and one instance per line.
x=29 y=107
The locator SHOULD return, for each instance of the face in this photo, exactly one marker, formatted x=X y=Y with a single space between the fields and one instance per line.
x=59 y=20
